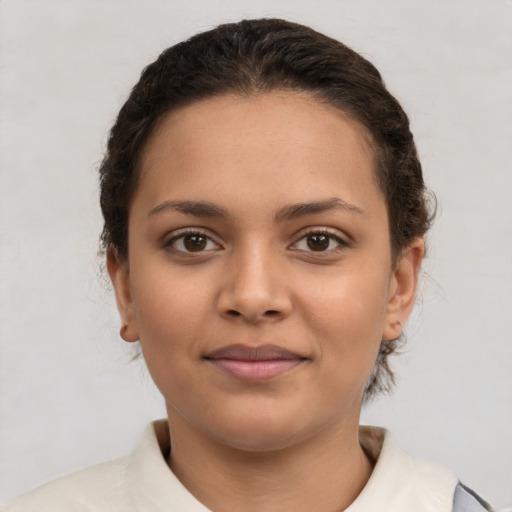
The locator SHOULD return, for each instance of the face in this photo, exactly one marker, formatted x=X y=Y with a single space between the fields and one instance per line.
x=259 y=278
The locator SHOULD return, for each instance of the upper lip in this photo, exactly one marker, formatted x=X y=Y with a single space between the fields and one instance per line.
x=246 y=353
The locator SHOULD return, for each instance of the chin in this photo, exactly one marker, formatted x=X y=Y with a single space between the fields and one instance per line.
x=263 y=431
x=259 y=440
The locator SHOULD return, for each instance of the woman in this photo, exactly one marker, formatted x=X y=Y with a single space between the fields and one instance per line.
x=264 y=216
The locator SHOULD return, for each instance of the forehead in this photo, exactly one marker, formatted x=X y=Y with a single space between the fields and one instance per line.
x=286 y=141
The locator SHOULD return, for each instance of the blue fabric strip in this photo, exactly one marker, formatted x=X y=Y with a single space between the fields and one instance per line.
x=467 y=500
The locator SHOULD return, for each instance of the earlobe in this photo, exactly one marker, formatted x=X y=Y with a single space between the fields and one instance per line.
x=120 y=277
x=403 y=286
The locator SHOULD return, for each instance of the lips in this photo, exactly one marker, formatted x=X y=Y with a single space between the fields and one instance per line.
x=254 y=364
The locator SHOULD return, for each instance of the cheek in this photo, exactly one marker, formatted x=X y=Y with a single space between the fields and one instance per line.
x=171 y=324
x=171 y=311
x=347 y=315
x=354 y=301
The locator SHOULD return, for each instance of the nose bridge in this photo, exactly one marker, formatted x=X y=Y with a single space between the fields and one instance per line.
x=254 y=287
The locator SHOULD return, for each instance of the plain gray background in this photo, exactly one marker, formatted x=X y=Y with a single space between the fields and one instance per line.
x=69 y=395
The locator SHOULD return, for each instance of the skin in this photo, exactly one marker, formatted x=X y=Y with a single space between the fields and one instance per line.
x=253 y=278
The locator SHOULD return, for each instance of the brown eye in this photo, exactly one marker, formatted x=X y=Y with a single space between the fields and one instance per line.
x=191 y=242
x=318 y=242
x=194 y=243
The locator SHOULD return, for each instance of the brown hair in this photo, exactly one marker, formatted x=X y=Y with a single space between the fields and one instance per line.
x=255 y=56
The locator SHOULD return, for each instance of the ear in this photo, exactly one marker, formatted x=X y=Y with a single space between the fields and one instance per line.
x=402 y=289
x=120 y=276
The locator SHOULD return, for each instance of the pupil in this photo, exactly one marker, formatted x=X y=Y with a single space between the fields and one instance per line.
x=318 y=242
x=195 y=242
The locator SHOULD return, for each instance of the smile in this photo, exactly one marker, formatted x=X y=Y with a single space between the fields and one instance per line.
x=254 y=364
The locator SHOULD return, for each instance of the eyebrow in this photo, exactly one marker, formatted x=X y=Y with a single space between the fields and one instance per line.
x=290 y=212
x=196 y=208
x=295 y=211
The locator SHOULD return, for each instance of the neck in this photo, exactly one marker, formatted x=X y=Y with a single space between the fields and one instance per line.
x=324 y=472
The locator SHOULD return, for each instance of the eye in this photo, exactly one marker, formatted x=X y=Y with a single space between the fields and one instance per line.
x=191 y=242
x=319 y=241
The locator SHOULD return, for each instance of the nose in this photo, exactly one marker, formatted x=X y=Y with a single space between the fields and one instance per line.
x=255 y=289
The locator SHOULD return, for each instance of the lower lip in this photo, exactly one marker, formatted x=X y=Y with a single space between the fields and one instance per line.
x=256 y=371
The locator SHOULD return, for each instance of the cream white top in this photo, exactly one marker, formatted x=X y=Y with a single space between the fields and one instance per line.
x=142 y=482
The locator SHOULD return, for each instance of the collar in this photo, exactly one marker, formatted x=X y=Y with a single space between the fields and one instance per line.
x=152 y=484
x=399 y=482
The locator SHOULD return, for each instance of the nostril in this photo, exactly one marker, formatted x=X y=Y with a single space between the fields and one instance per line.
x=271 y=313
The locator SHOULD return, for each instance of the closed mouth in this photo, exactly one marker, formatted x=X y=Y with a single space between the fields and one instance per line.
x=246 y=353
x=254 y=364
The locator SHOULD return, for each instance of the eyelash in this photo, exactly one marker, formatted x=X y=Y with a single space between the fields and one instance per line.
x=169 y=244
x=181 y=235
x=341 y=243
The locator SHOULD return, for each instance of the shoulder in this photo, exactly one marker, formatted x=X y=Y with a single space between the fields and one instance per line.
x=403 y=482
x=141 y=481
x=99 y=488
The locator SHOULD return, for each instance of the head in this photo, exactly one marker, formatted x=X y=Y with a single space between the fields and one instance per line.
x=254 y=58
